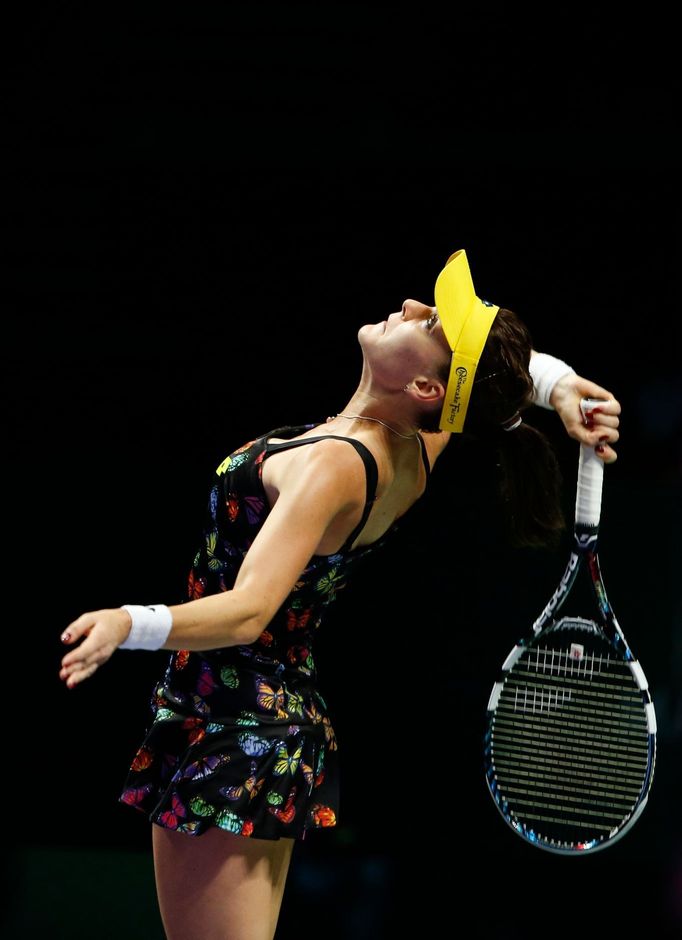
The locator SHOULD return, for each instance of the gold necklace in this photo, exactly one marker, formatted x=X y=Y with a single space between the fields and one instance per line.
x=379 y=421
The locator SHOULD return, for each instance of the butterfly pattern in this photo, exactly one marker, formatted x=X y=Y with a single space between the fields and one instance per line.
x=175 y=816
x=287 y=812
x=270 y=698
x=250 y=787
x=134 y=796
x=207 y=680
x=143 y=759
x=286 y=763
x=240 y=738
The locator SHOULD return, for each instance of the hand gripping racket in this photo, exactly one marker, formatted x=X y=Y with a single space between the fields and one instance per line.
x=570 y=743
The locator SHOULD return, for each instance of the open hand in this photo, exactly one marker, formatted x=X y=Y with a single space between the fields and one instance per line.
x=103 y=632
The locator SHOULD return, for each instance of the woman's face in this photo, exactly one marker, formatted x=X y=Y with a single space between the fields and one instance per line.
x=409 y=343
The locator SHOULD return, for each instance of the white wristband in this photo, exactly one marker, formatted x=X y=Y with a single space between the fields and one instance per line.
x=150 y=629
x=545 y=372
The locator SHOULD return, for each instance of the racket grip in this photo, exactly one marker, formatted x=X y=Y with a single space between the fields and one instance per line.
x=590 y=478
x=588 y=493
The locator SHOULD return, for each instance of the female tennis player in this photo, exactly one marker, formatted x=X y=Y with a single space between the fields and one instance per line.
x=240 y=755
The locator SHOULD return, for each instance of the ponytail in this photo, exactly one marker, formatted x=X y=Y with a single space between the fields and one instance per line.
x=530 y=487
x=529 y=476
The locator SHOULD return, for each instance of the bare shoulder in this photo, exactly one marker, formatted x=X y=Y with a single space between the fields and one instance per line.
x=330 y=466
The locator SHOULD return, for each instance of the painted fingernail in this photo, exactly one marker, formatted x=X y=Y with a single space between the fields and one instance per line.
x=599 y=448
x=65 y=637
x=597 y=411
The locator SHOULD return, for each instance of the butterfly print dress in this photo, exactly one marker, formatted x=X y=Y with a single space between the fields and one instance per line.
x=240 y=737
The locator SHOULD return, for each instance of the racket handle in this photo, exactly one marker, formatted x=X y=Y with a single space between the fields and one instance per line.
x=590 y=478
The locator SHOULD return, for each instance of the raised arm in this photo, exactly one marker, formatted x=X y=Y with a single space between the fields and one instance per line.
x=322 y=483
x=559 y=387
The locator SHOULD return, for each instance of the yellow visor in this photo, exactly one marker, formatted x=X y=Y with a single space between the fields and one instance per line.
x=466 y=322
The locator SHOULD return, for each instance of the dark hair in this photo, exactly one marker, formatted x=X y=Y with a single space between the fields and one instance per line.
x=528 y=470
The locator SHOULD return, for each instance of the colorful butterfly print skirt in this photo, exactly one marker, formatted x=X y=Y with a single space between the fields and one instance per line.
x=267 y=775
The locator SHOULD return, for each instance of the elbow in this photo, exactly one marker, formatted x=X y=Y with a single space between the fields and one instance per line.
x=249 y=630
x=253 y=620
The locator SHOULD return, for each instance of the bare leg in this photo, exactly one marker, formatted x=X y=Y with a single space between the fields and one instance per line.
x=219 y=886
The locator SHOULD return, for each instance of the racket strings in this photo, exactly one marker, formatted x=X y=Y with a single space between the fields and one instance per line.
x=531 y=698
x=535 y=759
x=540 y=762
x=592 y=746
x=569 y=742
x=575 y=664
x=596 y=687
x=568 y=662
x=590 y=783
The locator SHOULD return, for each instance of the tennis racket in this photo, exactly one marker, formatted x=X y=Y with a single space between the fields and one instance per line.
x=570 y=742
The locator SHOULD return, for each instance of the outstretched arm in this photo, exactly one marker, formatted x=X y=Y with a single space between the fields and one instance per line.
x=320 y=487
x=559 y=387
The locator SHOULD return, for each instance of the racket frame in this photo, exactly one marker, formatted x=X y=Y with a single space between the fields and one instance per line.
x=585 y=553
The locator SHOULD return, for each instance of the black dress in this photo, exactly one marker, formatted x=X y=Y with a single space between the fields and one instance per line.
x=240 y=737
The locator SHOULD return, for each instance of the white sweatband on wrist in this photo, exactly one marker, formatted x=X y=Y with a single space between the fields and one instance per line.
x=545 y=372
x=150 y=629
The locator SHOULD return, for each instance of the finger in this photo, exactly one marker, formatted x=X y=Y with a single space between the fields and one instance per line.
x=590 y=389
x=91 y=658
x=91 y=650
x=607 y=454
x=597 y=417
x=593 y=435
x=67 y=673
x=67 y=669
x=78 y=656
x=612 y=407
x=78 y=628
x=79 y=675
x=602 y=437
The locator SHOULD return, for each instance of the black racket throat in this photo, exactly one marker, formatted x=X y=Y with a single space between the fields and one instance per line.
x=583 y=564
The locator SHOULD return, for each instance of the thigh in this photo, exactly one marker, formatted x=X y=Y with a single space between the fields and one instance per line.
x=219 y=886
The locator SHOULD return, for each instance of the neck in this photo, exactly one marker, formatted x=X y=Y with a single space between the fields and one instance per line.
x=380 y=412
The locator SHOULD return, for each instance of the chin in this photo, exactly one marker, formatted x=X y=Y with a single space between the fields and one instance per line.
x=376 y=327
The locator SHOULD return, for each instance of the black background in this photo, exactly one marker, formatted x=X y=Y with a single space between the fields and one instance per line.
x=202 y=207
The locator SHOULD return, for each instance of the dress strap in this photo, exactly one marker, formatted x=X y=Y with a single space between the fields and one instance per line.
x=425 y=455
